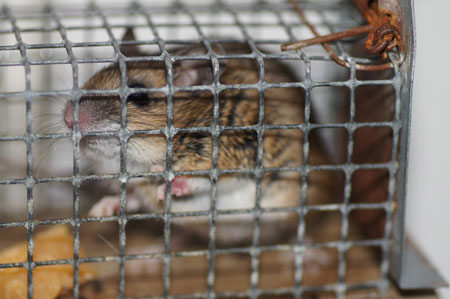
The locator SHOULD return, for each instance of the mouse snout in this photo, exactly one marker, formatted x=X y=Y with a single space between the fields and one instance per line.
x=69 y=117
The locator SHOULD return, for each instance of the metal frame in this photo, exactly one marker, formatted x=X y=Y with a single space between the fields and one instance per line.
x=409 y=269
x=397 y=169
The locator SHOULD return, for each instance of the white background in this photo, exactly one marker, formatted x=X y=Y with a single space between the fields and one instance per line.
x=428 y=217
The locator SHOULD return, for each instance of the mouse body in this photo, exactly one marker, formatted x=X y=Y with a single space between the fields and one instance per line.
x=237 y=149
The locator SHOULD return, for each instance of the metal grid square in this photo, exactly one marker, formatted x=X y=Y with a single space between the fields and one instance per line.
x=245 y=20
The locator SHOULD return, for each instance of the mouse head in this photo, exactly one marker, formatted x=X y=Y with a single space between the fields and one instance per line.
x=145 y=110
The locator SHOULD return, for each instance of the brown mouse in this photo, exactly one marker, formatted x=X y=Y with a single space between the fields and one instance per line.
x=193 y=151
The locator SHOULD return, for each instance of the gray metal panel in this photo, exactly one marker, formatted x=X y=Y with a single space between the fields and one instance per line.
x=408 y=268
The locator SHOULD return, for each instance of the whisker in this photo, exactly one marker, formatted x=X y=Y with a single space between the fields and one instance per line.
x=39 y=116
x=49 y=127
x=45 y=154
x=108 y=243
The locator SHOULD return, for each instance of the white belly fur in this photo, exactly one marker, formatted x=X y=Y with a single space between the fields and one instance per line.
x=232 y=194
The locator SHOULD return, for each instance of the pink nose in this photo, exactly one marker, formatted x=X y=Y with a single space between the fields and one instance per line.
x=68 y=115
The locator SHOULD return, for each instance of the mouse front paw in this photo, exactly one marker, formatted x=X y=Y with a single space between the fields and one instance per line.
x=110 y=206
x=179 y=186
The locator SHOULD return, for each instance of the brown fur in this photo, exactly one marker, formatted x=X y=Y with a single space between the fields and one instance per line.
x=237 y=107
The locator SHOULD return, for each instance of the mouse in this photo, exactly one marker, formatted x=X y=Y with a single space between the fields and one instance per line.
x=237 y=150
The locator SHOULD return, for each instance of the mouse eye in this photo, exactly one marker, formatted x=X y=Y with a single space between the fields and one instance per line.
x=140 y=99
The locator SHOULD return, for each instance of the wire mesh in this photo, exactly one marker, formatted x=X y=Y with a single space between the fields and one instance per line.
x=328 y=15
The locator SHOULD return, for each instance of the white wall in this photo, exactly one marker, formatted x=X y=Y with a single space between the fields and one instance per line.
x=428 y=218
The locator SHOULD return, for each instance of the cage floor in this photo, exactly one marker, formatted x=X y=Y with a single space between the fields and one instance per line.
x=188 y=274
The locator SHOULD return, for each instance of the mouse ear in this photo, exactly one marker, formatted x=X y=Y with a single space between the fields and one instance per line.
x=196 y=72
x=129 y=50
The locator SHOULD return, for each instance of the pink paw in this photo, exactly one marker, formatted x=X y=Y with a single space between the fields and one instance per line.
x=107 y=206
x=110 y=206
x=179 y=186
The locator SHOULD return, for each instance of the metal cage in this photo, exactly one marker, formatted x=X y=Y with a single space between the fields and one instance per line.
x=74 y=36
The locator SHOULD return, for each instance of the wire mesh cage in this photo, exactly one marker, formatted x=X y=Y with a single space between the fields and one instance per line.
x=225 y=167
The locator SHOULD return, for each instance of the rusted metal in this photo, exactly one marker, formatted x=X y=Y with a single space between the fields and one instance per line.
x=326 y=38
x=383 y=30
